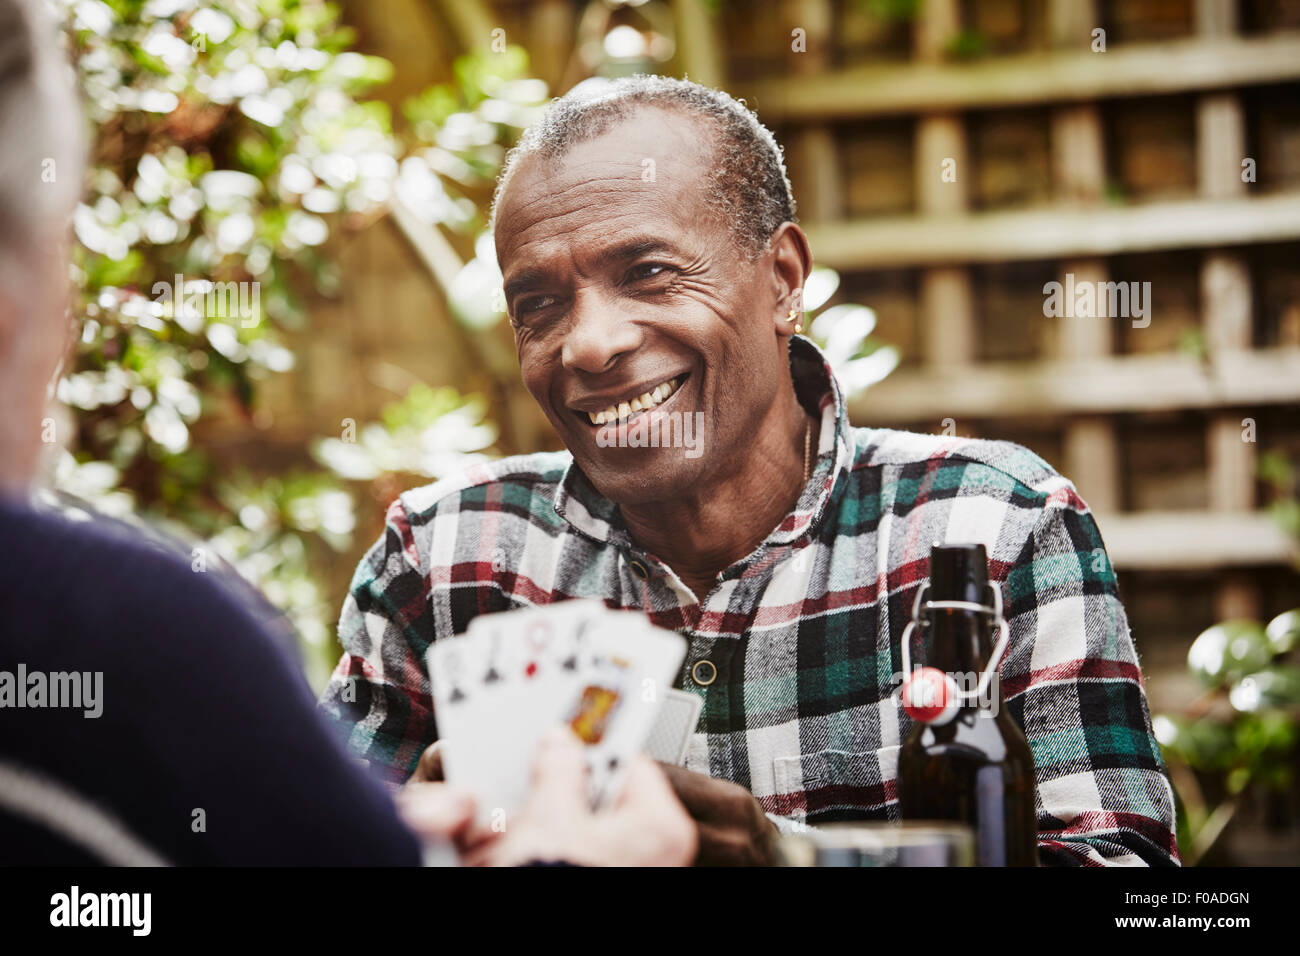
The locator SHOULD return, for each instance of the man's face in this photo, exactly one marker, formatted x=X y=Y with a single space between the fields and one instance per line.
x=621 y=283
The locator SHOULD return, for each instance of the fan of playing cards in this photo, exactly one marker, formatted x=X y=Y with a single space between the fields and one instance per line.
x=605 y=674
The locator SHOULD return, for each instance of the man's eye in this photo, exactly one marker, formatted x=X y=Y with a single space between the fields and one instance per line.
x=648 y=270
x=534 y=304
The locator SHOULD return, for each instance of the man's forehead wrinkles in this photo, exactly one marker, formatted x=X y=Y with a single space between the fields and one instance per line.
x=596 y=244
x=558 y=177
x=573 y=163
x=575 y=221
x=578 y=192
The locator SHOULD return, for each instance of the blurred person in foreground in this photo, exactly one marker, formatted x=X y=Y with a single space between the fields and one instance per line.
x=653 y=273
x=192 y=738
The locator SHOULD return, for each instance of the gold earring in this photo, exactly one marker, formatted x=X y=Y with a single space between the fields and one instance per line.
x=794 y=317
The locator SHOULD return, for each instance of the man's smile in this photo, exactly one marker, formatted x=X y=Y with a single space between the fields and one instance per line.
x=624 y=407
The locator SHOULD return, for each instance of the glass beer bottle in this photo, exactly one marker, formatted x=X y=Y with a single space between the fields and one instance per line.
x=965 y=759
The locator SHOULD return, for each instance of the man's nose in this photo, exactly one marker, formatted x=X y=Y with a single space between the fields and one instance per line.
x=598 y=334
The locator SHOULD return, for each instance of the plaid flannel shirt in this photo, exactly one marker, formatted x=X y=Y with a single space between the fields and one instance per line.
x=803 y=633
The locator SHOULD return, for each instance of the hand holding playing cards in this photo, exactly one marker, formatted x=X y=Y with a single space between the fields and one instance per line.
x=733 y=829
x=429 y=769
x=590 y=795
x=436 y=811
x=646 y=826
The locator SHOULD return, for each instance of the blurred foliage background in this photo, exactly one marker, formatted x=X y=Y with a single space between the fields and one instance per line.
x=230 y=141
x=1235 y=744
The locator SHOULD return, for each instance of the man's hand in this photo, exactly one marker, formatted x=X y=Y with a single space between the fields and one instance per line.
x=733 y=829
x=429 y=769
x=436 y=811
x=425 y=788
x=647 y=826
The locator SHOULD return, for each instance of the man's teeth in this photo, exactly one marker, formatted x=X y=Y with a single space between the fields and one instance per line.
x=642 y=403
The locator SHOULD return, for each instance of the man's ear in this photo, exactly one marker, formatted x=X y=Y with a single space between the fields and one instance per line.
x=791 y=259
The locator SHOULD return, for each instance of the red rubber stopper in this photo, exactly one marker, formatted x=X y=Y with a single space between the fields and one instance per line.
x=930 y=696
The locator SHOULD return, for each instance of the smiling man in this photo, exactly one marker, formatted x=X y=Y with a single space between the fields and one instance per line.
x=653 y=273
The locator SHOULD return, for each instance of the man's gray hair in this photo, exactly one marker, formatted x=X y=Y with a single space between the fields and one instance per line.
x=42 y=139
x=747 y=187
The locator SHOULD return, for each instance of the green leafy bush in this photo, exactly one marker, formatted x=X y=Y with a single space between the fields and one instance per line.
x=1241 y=738
x=230 y=139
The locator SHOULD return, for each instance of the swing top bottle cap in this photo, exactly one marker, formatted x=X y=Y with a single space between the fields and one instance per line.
x=959 y=572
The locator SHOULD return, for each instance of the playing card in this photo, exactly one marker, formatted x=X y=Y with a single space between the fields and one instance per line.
x=671 y=734
x=496 y=689
x=632 y=665
x=513 y=675
x=482 y=690
x=464 y=682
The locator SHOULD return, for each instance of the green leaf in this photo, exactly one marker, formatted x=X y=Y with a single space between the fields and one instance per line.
x=1226 y=652
x=147 y=60
x=103 y=271
x=1283 y=632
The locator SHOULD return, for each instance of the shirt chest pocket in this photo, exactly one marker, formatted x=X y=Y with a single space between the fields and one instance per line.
x=840 y=779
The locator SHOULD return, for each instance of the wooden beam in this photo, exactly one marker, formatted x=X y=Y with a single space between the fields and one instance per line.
x=947 y=297
x=1092 y=461
x=1236 y=595
x=1054 y=233
x=948 y=314
x=1194 y=540
x=1090 y=442
x=1225 y=307
x=1091 y=445
x=1083 y=336
x=1231 y=461
x=1216 y=18
x=814 y=162
x=699 y=49
x=1028 y=79
x=1123 y=384
x=552 y=26
x=1220 y=145
x=937 y=22
x=473 y=22
x=1226 y=301
x=814 y=168
x=1078 y=154
x=943 y=168
x=942 y=173
x=816 y=18
x=1070 y=23
x=1226 y=318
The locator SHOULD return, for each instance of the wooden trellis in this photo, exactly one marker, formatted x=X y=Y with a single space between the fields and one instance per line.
x=1085 y=384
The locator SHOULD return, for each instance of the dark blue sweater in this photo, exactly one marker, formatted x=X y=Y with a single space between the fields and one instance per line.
x=202 y=710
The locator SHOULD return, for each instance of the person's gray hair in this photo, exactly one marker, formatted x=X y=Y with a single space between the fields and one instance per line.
x=747 y=186
x=42 y=138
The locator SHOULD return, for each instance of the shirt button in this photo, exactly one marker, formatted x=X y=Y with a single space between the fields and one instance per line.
x=704 y=673
x=639 y=569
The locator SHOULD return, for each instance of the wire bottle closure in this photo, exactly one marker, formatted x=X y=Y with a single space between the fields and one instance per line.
x=921 y=606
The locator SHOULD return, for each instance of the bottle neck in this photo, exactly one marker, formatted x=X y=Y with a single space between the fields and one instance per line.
x=961 y=644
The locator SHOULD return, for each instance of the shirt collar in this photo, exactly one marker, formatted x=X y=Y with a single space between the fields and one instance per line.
x=585 y=509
